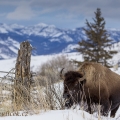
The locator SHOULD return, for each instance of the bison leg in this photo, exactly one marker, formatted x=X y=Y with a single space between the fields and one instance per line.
x=89 y=107
x=114 y=111
x=106 y=107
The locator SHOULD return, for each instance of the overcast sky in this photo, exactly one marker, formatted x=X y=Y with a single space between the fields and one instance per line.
x=61 y=13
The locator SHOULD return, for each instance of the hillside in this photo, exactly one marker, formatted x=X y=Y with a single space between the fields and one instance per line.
x=46 y=39
x=71 y=114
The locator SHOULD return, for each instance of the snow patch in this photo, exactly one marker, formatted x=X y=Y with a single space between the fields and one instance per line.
x=69 y=48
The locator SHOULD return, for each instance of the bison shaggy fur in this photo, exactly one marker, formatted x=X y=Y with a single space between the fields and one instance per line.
x=93 y=83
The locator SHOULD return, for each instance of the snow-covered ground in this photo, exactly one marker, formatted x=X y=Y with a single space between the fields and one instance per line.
x=61 y=115
x=36 y=61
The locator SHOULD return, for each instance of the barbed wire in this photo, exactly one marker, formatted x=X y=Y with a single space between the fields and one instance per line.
x=8 y=75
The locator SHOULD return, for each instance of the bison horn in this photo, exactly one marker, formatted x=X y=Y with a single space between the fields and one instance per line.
x=61 y=75
x=83 y=78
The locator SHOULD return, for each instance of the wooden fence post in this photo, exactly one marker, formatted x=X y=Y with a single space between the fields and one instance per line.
x=23 y=77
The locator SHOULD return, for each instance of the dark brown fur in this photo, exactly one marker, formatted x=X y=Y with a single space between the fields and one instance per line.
x=100 y=85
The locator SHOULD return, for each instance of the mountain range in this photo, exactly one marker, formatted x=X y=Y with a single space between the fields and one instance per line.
x=46 y=39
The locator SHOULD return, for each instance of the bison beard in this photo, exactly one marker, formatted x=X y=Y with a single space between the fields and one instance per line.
x=94 y=84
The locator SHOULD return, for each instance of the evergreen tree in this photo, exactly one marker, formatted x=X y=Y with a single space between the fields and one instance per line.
x=96 y=47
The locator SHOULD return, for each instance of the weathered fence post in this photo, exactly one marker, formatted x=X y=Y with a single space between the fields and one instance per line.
x=23 y=77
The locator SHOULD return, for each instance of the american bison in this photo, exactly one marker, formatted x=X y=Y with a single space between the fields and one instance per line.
x=93 y=83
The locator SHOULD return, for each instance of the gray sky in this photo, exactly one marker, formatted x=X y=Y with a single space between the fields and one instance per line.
x=61 y=13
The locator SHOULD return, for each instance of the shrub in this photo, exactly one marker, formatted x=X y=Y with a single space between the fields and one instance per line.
x=50 y=83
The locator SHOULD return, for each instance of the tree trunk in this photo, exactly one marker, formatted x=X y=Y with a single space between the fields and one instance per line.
x=23 y=77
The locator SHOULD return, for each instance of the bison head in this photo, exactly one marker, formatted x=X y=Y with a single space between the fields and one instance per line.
x=73 y=82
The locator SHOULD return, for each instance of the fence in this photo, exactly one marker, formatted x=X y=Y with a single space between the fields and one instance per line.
x=6 y=92
x=15 y=86
x=20 y=89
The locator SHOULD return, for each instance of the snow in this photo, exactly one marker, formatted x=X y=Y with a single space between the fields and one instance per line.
x=9 y=48
x=7 y=65
x=70 y=47
x=10 y=42
x=14 y=49
x=3 y=30
x=67 y=38
x=71 y=114
x=54 y=39
x=16 y=26
x=41 y=25
x=60 y=115
x=14 y=43
x=36 y=61
x=46 y=30
x=113 y=29
x=40 y=30
x=50 y=115
x=57 y=35
x=4 y=56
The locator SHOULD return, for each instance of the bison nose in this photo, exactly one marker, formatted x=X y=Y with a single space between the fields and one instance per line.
x=66 y=95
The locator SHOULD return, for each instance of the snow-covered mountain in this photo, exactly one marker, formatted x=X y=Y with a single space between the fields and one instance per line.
x=47 y=39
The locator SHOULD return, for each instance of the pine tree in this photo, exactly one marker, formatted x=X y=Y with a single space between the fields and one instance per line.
x=96 y=47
